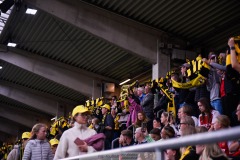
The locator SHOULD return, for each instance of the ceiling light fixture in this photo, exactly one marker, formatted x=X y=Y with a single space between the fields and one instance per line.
x=124 y=82
x=1 y=67
x=54 y=118
x=10 y=44
x=31 y=11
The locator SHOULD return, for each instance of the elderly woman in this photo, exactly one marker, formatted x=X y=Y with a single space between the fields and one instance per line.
x=68 y=147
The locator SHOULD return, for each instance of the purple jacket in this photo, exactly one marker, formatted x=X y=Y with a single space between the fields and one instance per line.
x=96 y=141
x=134 y=108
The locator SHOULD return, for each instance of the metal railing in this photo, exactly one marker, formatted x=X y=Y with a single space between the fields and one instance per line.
x=160 y=146
x=131 y=127
x=114 y=141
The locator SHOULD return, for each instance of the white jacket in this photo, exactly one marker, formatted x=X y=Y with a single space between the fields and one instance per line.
x=14 y=154
x=67 y=147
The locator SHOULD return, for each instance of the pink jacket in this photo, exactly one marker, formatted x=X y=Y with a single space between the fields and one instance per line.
x=134 y=108
x=96 y=141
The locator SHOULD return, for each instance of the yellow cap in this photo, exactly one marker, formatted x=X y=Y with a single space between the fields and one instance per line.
x=53 y=141
x=26 y=135
x=80 y=109
x=106 y=106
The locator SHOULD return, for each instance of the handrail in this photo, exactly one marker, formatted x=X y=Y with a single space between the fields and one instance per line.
x=122 y=124
x=113 y=141
x=161 y=110
x=130 y=126
x=133 y=128
x=201 y=138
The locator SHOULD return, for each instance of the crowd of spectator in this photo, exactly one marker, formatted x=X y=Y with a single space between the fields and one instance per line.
x=143 y=117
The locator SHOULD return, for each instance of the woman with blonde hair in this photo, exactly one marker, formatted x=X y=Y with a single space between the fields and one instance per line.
x=167 y=119
x=223 y=122
x=188 y=152
x=38 y=147
x=210 y=152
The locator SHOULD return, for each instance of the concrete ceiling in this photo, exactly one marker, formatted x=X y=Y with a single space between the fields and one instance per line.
x=69 y=48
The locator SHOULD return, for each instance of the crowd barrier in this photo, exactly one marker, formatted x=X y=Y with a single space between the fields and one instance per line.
x=159 y=146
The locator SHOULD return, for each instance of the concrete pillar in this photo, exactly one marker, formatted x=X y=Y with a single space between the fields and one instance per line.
x=162 y=66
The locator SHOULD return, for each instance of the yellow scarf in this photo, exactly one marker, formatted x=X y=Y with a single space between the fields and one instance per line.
x=186 y=152
x=198 y=81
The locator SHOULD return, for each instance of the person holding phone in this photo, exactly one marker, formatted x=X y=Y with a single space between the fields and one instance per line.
x=71 y=143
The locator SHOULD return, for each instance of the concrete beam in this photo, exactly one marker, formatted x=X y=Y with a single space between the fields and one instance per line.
x=4 y=136
x=9 y=127
x=46 y=95
x=82 y=83
x=23 y=117
x=37 y=102
x=134 y=37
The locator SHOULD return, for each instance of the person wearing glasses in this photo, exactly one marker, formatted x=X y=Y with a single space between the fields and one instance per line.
x=185 y=122
x=68 y=146
x=18 y=149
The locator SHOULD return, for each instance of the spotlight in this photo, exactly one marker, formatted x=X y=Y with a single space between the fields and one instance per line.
x=10 y=44
x=124 y=82
x=31 y=11
x=54 y=118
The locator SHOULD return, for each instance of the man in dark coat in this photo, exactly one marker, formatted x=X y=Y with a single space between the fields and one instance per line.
x=107 y=125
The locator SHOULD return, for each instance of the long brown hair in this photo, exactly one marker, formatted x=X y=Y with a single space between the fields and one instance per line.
x=208 y=108
x=139 y=122
x=36 y=129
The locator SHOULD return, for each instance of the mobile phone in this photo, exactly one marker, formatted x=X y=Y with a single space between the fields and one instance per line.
x=78 y=141
x=144 y=127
